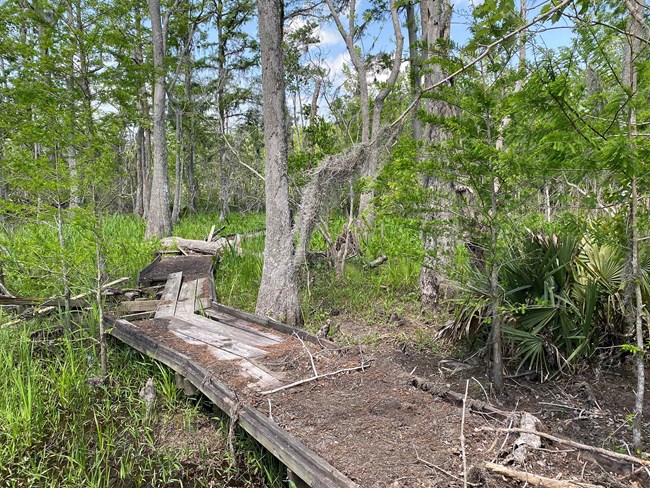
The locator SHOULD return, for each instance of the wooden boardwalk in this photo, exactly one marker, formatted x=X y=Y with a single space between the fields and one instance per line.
x=218 y=350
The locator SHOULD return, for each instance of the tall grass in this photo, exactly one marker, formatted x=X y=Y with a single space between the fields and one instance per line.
x=58 y=430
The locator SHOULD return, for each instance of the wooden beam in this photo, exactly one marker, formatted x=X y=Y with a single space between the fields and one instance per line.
x=167 y=307
x=238 y=334
x=140 y=306
x=302 y=461
x=275 y=325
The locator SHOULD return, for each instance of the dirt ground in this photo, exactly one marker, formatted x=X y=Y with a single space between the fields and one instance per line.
x=381 y=431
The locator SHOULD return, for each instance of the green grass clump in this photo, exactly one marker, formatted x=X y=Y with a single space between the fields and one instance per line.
x=34 y=261
x=59 y=430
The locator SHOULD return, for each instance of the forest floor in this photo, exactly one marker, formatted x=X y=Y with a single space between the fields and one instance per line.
x=381 y=430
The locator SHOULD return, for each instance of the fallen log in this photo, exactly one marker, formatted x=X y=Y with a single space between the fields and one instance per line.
x=570 y=443
x=213 y=248
x=51 y=308
x=378 y=262
x=534 y=479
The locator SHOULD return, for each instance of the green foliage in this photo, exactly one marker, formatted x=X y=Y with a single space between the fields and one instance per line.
x=57 y=429
x=33 y=256
x=562 y=298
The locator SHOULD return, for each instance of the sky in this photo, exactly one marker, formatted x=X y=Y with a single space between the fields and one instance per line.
x=332 y=54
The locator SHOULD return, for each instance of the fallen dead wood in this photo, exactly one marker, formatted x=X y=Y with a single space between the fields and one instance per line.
x=445 y=393
x=569 y=442
x=526 y=441
x=212 y=248
x=52 y=308
x=377 y=262
x=535 y=480
x=361 y=367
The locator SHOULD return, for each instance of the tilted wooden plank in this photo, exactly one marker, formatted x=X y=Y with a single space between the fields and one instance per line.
x=187 y=297
x=235 y=333
x=241 y=350
x=305 y=463
x=169 y=297
x=231 y=321
x=275 y=325
x=140 y=306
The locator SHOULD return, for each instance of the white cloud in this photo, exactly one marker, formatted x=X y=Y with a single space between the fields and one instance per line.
x=336 y=64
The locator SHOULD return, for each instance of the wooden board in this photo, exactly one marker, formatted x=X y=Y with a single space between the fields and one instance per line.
x=231 y=321
x=192 y=267
x=167 y=307
x=194 y=296
x=302 y=461
x=274 y=324
x=243 y=336
x=140 y=306
x=216 y=340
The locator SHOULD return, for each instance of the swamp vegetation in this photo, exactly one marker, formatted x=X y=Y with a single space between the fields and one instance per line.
x=477 y=194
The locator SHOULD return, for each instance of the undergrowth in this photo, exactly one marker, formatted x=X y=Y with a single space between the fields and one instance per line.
x=58 y=428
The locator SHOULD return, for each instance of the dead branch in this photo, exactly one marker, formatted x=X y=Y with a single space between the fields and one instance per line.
x=443 y=471
x=462 y=436
x=568 y=442
x=378 y=262
x=202 y=247
x=535 y=480
x=361 y=367
x=49 y=309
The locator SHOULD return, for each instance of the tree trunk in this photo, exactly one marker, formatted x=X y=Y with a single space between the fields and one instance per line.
x=178 y=190
x=224 y=176
x=438 y=243
x=414 y=65
x=138 y=207
x=192 y=189
x=278 y=293
x=634 y=308
x=159 y=222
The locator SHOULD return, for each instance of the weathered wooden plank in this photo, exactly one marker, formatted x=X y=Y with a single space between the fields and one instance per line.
x=234 y=333
x=167 y=306
x=231 y=321
x=143 y=279
x=306 y=464
x=194 y=296
x=222 y=341
x=274 y=324
x=140 y=306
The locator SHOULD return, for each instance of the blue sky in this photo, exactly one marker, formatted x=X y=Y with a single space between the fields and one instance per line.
x=331 y=51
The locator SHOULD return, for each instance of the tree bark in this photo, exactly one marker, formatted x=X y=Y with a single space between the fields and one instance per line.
x=278 y=293
x=138 y=207
x=159 y=222
x=192 y=188
x=634 y=308
x=178 y=191
x=438 y=244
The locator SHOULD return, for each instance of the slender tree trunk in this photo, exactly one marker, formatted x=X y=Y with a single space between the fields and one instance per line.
x=178 y=190
x=439 y=241
x=278 y=293
x=159 y=222
x=636 y=27
x=414 y=73
x=224 y=173
x=192 y=189
x=313 y=111
x=371 y=168
x=138 y=207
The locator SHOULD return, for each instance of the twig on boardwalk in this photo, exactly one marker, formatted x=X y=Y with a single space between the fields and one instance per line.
x=314 y=378
x=311 y=357
x=462 y=435
x=568 y=442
